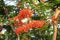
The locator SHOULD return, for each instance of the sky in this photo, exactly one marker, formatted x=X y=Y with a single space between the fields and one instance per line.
x=10 y=2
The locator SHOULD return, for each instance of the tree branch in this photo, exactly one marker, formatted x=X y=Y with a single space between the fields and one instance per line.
x=18 y=36
x=57 y=11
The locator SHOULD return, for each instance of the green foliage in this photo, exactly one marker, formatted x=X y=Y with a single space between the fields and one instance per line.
x=41 y=11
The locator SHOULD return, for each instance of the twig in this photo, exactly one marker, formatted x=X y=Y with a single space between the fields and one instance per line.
x=57 y=11
x=18 y=37
x=14 y=31
x=54 y=32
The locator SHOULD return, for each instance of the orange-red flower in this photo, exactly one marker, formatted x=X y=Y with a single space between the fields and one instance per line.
x=26 y=27
x=19 y=29
x=36 y=23
x=23 y=13
x=32 y=24
x=53 y=17
x=54 y=20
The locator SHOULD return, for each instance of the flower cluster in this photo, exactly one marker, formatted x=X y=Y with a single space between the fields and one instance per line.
x=24 y=27
x=23 y=13
x=32 y=24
